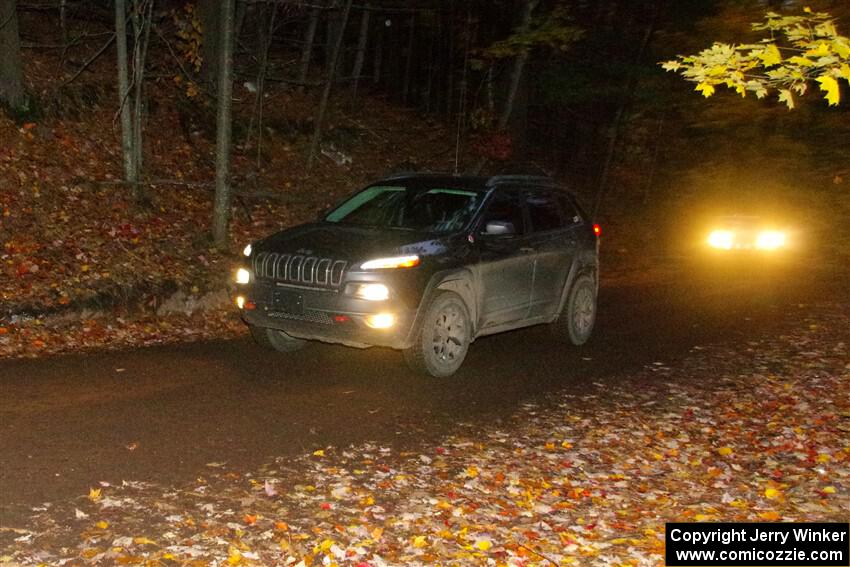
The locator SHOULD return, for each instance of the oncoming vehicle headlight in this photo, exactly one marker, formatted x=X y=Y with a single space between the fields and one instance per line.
x=723 y=239
x=243 y=276
x=369 y=291
x=389 y=263
x=770 y=240
x=247 y=250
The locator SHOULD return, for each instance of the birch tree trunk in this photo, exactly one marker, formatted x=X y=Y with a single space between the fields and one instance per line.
x=11 y=82
x=221 y=208
x=326 y=94
x=127 y=137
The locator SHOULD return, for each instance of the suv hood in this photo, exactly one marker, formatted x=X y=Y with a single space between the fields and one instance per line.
x=350 y=243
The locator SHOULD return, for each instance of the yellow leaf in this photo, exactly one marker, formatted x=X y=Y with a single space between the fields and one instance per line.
x=725 y=451
x=377 y=533
x=319 y=453
x=844 y=71
x=102 y=525
x=821 y=50
x=143 y=541
x=787 y=97
x=771 y=493
x=706 y=89
x=770 y=56
x=823 y=458
x=829 y=490
x=326 y=545
x=472 y=472
x=483 y=544
x=566 y=445
x=94 y=494
x=234 y=557
x=830 y=86
x=770 y=516
x=420 y=541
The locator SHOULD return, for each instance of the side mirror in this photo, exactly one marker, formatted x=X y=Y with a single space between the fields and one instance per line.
x=499 y=228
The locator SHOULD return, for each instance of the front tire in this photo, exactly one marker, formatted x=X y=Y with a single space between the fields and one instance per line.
x=277 y=340
x=578 y=317
x=442 y=339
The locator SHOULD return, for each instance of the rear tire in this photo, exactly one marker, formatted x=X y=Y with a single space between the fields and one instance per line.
x=576 y=321
x=277 y=340
x=442 y=339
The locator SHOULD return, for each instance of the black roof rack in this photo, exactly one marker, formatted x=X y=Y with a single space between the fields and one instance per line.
x=412 y=173
x=538 y=179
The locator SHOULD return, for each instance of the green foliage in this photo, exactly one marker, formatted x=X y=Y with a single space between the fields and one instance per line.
x=553 y=30
x=801 y=50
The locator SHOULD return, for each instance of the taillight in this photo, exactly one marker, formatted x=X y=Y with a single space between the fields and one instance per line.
x=597 y=230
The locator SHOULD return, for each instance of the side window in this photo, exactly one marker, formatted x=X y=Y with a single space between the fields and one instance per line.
x=571 y=214
x=544 y=211
x=504 y=207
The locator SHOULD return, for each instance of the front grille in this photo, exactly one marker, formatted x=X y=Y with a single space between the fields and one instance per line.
x=308 y=315
x=298 y=269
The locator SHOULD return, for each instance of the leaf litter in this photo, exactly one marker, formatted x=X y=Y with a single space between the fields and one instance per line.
x=738 y=433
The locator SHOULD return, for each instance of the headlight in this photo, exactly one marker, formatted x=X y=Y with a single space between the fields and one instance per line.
x=243 y=276
x=246 y=251
x=723 y=239
x=770 y=240
x=370 y=291
x=394 y=262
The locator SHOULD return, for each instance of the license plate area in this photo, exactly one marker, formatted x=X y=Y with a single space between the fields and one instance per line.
x=290 y=302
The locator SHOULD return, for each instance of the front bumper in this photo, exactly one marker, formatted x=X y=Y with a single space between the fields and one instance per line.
x=325 y=315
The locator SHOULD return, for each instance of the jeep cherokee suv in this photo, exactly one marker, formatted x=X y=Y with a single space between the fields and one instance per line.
x=426 y=264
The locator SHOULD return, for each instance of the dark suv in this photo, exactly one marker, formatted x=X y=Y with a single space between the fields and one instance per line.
x=426 y=264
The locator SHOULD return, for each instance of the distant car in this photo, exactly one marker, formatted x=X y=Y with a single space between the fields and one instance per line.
x=426 y=264
x=746 y=233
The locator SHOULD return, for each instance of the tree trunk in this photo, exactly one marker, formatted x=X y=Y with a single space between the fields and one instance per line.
x=519 y=65
x=516 y=77
x=323 y=104
x=405 y=90
x=361 y=48
x=628 y=93
x=211 y=16
x=221 y=209
x=124 y=97
x=11 y=83
x=379 y=55
x=307 y=49
x=266 y=36
x=142 y=12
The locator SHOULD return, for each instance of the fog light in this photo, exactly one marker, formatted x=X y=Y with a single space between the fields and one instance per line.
x=243 y=276
x=240 y=302
x=381 y=320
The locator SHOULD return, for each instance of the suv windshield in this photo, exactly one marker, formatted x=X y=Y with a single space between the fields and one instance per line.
x=428 y=209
